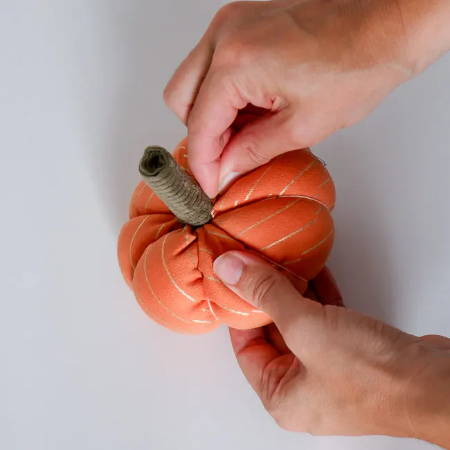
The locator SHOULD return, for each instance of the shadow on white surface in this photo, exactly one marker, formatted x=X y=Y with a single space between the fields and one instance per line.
x=362 y=257
x=392 y=214
x=138 y=60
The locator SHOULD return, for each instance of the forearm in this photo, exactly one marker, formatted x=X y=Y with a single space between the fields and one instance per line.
x=426 y=25
x=407 y=34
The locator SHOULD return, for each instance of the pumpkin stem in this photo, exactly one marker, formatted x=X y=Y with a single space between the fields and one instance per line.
x=175 y=187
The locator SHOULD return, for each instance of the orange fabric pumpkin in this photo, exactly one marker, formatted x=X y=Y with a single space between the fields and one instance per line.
x=281 y=211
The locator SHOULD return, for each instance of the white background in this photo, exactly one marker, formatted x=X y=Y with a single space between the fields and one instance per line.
x=82 y=368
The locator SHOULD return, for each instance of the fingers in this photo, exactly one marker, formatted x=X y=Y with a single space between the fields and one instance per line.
x=183 y=87
x=260 y=362
x=206 y=92
x=261 y=285
x=253 y=353
x=215 y=109
x=261 y=140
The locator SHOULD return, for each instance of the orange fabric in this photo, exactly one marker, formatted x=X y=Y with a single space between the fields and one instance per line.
x=281 y=211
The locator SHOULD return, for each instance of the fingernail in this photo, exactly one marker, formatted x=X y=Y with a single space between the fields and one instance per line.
x=228 y=268
x=226 y=179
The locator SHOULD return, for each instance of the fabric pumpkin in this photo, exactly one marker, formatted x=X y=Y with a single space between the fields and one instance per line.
x=279 y=211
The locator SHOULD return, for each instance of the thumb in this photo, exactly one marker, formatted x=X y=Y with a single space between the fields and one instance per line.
x=257 y=282
x=258 y=142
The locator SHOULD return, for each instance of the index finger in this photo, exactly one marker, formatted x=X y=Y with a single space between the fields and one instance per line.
x=215 y=108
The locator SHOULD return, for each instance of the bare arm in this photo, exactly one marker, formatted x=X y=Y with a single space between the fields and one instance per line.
x=330 y=370
x=310 y=67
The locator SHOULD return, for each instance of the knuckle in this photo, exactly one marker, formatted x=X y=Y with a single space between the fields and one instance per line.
x=297 y=134
x=301 y=128
x=254 y=153
x=277 y=410
x=167 y=95
x=263 y=288
x=239 y=42
x=236 y=51
x=175 y=102
x=290 y=422
x=283 y=417
x=230 y=11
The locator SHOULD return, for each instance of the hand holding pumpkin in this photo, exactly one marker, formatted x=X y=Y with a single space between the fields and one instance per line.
x=330 y=370
x=312 y=67
x=267 y=78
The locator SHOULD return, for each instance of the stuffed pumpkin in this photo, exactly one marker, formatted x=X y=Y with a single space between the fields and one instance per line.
x=280 y=211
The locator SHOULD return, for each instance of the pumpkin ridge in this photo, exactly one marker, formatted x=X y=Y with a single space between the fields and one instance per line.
x=158 y=299
x=258 y=253
x=269 y=197
x=154 y=240
x=195 y=243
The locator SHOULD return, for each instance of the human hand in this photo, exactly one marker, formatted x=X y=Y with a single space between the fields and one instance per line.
x=294 y=72
x=329 y=370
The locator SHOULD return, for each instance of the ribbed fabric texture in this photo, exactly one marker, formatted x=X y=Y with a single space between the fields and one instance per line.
x=279 y=211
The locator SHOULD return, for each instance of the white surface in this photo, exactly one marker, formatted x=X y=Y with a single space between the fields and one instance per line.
x=82 y=366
